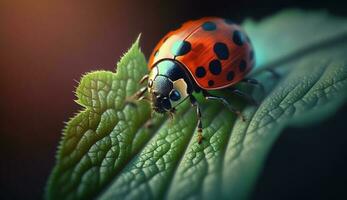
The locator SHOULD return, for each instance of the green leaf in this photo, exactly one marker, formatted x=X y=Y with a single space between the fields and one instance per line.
x=107 y=152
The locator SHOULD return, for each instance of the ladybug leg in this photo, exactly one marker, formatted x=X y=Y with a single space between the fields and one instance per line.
x=246 y=96
x=274 y=73
x=139 y=95
x=225 y=102
x=149 y=124
x=253 y=81
x=198 y=114
x=144 y=78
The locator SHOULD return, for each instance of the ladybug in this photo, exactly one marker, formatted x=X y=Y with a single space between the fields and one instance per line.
x=202 y=55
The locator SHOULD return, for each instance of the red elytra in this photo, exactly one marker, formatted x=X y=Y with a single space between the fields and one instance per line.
x=206 y=54
x=216 y=52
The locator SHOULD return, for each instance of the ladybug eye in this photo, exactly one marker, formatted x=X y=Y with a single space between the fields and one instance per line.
x=175 y=95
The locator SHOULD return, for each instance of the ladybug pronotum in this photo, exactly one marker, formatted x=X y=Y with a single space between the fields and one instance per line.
x=202 y=55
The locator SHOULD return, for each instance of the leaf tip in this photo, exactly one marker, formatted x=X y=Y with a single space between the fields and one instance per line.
x=134 y=49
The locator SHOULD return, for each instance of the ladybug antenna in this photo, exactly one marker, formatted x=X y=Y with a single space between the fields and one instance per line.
x=143 y=79
x=145 y=98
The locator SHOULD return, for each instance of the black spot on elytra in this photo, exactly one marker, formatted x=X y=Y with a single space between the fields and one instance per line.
x=221 y=50
x=242 y=65
x=215 y=67
x=209 y=26
x=230 y=76
x=180 y=48
x=238 y=38
x=210 y=83
x=200 y=72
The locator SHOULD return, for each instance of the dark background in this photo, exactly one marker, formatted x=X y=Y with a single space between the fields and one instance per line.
x=47 y=45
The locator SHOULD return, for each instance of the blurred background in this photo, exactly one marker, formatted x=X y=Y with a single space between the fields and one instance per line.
x=47 y=45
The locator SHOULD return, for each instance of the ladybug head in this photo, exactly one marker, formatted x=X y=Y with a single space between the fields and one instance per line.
x=166 y=91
